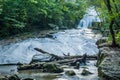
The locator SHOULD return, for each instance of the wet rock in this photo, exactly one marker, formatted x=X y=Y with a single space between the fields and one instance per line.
x=28 y=79
x=19 y=63
x=102 y=40
x=77 y=65
x=108 y=63
x=45 y=67
x=13 y=77
x=40 y=58
x=70 y=73
x=51 y=67
x=49 y=36
x=86 y=72
x=3 y=77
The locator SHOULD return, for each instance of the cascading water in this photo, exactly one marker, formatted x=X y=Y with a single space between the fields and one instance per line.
x=75 y=42
x=90 y=17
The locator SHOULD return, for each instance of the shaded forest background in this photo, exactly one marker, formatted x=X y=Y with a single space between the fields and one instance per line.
x=19 y=16
x=26 y=15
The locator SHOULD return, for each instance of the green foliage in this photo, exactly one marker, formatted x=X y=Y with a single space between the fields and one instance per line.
x=118 y=37
x=22 y=15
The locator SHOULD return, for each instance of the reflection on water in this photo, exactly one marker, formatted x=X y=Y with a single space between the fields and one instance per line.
x=9 y=69
x=35 y=74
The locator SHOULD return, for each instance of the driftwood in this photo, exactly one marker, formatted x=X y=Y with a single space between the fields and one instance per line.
x=67 y=57
x=54 y=57
x=71 y=60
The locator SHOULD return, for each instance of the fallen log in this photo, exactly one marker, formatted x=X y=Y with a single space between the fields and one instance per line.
x=92 y=57
x=54 y=57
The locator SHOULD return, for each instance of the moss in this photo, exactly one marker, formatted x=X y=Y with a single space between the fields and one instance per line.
x=101 y=57
x=52 y=68
x=85 y=72
x=70 y=73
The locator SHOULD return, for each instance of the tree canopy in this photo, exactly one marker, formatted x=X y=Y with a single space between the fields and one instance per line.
x=23 y=15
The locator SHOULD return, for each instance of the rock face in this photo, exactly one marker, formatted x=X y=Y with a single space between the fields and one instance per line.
x=109 y=63
x=45 y=67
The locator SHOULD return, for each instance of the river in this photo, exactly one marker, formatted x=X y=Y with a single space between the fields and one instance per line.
x=74 y=41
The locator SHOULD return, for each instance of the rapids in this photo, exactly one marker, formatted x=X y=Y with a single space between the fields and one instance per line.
x=75 y=42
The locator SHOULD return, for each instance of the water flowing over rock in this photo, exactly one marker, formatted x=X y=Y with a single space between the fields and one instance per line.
x=90 y=17
x=75 y=42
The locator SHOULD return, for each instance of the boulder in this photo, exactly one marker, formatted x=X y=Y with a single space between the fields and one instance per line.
x=51 y=67
x=70 y=73
x=86 y=72
x=108 y=62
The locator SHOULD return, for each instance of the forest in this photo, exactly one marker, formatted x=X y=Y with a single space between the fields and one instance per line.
x=70 y=37
x=19 y=16
x=22 y=16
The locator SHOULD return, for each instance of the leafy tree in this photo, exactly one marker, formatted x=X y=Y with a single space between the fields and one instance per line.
x=23 y=15
x=110 y=13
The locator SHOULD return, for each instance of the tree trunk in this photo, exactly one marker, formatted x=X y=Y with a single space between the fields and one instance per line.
x=109 y=7
x=112 y=33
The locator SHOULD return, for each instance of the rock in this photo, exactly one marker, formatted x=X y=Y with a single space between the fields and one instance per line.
x=40 y=58
x=86 y=72
x=49 y=36
x=19 y=63
x=77 y=65
x=102 y=40
x=3 y=77
x=28 y=79
x=108 y=63
x=70 y=73
x=103 y=45
x=45 y=67
x=13 y=77
x=51 y=67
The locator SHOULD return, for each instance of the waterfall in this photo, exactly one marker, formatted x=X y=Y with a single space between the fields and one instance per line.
x=90 y=17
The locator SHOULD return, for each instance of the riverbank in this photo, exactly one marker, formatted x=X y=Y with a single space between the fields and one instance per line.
x=26 y=35
x=108 y=62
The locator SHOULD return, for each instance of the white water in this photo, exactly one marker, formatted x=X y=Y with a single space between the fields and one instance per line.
x=90 y=17
x=75 y=42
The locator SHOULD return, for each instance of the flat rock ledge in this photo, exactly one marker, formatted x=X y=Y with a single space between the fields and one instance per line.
x=109 y=63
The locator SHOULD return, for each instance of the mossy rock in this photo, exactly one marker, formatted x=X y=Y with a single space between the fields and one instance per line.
x=86 y=72
x=51 y=67
x=70 y=73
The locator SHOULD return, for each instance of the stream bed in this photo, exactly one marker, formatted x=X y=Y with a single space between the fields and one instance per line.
x=35 y=74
